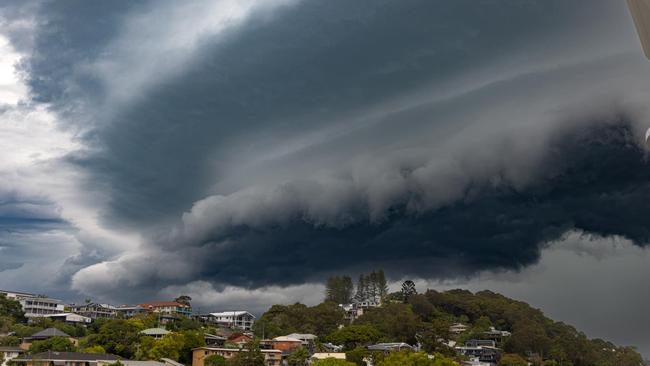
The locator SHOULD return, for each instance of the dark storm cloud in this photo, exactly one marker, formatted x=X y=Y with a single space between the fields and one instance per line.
x=595 y=180
x=308 y=65
x=193 y=130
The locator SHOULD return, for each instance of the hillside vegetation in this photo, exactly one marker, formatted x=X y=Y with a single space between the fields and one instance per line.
x=426 y=318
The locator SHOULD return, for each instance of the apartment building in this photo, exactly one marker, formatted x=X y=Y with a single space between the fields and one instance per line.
x=272 y=357
x=35 y=305
x=167 y=308
x=94 y=310
x=230 y=319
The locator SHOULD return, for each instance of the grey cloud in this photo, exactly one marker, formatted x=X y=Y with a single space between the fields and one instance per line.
x=244 y=142
x=267 y=81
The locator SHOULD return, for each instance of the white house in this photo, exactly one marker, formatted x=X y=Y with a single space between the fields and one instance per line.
x=71 y=318
x=233 y=319
x=35 y=305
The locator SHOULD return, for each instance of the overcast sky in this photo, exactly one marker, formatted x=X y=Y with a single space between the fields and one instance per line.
x=241 y=151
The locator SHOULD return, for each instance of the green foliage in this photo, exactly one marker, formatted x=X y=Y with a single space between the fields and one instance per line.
x=214 y=360
x=183 y=323
x=395 y=322
x=118 y=336
x=510 y=359
x=169 y=346
x=333 y=362
x=298 y=357
x=354 y=336
x=58 y=344
x=415 y=359
x=408 y=290
x=357 y=355
x=176 y=346
x=183 y=299
x=22 y=330
x=94 y=349
x=72 y=330
x=298 y=318
x=532 y=332
x=339 y=289
x=372 y=286
x=9 y=341
x=11 y=308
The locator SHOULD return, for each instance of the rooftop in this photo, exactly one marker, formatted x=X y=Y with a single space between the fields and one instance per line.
x=162 y=304
x=155 y=332
x=50 y=332
x=231 y=313
x=12 y=349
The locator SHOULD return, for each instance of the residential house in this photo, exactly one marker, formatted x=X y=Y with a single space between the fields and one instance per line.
x=357 y=308
x=214 y=340
x=240 y=319
x=322 y=356
x=458 y=328
x=272 y=357
x=51 y=358
x=482 y=349
x=239 y=340
x=45 y=334
x=475 y=362
x=94 y=310
x=284 y=344
x=156 y=333
x=126 y=311
x=9 y=353
x=70 y=318
x=35 y=305
x=308 y=340
x=170 y=309
x=389 y=347
x=496 y=335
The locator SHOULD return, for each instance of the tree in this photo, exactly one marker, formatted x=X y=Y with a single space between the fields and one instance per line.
x=339 y=289
x=183 y=299
x=354 y=336
x=94 y=349
x=11 y=308
x=298 y=318
x=357 y=356
x=382 y=285
x=214 y=360
x=333 y=362
x=511 y=359
x=395 y=322
x=362 y=289
x=169 y=346
x=58 y=344
x=118 y=336
x=415 y=359
x=9 y=341
x=299 y=357
x=251 y=355
x=408 y=290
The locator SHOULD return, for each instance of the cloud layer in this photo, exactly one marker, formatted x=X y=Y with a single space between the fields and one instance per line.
x=237 y=148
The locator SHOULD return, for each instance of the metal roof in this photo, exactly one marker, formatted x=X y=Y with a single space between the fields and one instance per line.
x=50 y=332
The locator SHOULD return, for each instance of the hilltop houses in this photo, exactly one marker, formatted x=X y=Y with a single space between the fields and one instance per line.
x=239 y=319
x=70 y=318
x=167 y=307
